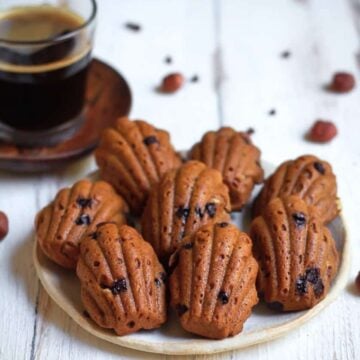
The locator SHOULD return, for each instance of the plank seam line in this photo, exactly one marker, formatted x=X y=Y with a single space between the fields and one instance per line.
x=218 y=61
x=36 y=309
x=33 y=340
x=354 y=7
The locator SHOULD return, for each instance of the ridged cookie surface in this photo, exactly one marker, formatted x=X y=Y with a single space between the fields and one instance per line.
x=74 y=212
x=185 y=199
x=212 y=284
x=296 y=253
x=233 y=154
x=122 y=281
x=133 y=156
x=308 y=177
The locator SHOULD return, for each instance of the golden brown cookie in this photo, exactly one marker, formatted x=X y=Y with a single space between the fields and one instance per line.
x=122 y=281
x=74 y=212
x=133 y=156
x=233 y=154
x=308 y=177
x=212 y=285
x=185 y=199
x=296 y=253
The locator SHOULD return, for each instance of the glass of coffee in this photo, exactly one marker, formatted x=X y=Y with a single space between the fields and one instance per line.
x=45 y=52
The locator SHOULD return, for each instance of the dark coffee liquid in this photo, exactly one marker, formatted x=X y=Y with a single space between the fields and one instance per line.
x=43 y=87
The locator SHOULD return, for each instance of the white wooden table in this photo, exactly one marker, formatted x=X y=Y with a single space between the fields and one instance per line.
x=235 y=47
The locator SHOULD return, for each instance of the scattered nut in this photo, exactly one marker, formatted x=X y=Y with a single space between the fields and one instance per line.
x=4 y=225
x=342 y=82
x=357 y=282
x=322 y=131
x=172 y=83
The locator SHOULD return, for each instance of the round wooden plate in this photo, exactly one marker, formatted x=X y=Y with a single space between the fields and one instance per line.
x=263 y=325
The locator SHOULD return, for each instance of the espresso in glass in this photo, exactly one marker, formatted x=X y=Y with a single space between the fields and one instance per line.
x=45 y=53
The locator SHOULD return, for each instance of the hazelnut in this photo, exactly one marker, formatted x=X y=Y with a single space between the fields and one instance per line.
x=172 y=83
x=342 y=82
x=4 y=225
x=322 y=131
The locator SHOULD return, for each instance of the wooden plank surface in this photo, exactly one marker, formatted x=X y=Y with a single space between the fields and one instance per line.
x=321 y=38
x=235 y=47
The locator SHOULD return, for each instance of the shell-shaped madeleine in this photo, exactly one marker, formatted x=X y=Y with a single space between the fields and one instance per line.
x=73 y=213
x=233 y=154
x=185 y=199
x=308 y=177
x=133 y=156
x=212 y=284
x=122 y=281
x=296 y=253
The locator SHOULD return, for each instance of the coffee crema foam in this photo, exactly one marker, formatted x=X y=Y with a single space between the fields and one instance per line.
x=43 y=23
x=36 y=69
x=45 y=54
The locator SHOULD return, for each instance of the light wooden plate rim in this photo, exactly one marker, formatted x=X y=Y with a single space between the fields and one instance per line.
x=199 y=346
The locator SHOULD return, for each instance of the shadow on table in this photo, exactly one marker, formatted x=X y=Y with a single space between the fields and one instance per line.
x=73 y=171
x=352 y=289
x=22 y=267
x=86 y=342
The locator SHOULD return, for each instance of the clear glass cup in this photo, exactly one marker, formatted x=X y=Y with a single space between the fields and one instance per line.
x=43 y=81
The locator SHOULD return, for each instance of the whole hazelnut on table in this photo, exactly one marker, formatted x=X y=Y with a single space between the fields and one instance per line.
x=4 y=225
x=322 y=131
x=342 y=82
x=172 y=83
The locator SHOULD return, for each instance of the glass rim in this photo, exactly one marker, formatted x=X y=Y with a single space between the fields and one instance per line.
x=58 y=38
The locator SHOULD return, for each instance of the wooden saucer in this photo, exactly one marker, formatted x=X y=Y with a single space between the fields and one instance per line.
x=108 y=96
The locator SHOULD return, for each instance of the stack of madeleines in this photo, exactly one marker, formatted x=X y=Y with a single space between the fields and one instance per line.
x=187 y=250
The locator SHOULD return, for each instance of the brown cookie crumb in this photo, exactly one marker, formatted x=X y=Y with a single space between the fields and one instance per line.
x=194 y=79
x=272 y=112
x=285 y=54
x=168 y=60
x=133 y=26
